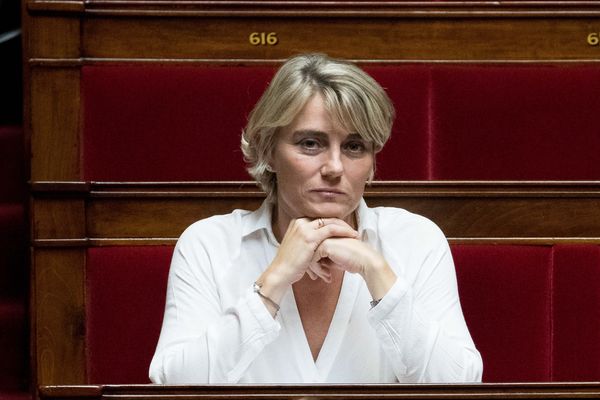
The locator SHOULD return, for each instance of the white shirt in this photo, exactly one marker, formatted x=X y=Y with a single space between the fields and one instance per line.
x=217 y=330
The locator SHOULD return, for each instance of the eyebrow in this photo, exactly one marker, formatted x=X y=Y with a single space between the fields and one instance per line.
x=309 y=132
x=321 y=134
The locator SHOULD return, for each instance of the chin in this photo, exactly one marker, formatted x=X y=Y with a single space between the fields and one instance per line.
x=331 y=211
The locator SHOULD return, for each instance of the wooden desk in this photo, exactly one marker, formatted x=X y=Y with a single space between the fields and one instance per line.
x=390 y=391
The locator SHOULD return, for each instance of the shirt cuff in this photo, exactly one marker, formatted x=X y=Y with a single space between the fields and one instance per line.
x=395 y=295
x=261 y=313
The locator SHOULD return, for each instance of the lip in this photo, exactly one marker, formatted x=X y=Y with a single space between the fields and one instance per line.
x=328 y=191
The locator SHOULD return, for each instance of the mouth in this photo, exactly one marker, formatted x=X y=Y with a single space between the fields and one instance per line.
x=328 y=192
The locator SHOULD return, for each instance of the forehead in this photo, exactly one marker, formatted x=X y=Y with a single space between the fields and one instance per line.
x=316 y=115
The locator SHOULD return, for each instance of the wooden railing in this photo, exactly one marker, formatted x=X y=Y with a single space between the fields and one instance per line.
x=431 y=392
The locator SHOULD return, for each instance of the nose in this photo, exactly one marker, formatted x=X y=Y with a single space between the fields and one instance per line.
x=333 y=166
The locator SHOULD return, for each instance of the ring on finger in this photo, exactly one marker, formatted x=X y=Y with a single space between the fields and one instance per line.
x=321 y=222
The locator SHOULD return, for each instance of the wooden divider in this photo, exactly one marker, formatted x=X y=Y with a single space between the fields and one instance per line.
x=432 y=392
x=471 y=212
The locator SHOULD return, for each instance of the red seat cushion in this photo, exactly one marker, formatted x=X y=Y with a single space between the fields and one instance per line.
x=505 y=294
x=576 y=311
x=168 y=123
x=533 y=311
x=511 y=122
x=125 y=289
x=515 y=122
x=405 y=156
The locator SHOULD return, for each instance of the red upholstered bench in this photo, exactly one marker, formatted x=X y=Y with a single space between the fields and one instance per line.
x=126 y=289
x=533 y=311
x=455 y=122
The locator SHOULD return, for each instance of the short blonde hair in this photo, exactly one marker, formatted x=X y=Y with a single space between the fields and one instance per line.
x=351 y=96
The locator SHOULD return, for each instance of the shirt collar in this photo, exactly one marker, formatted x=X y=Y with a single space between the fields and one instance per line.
x=366 y=220
x=261 y=219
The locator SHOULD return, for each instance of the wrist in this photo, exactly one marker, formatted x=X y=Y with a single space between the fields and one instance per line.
x=272 y=285
x=271 y=305
x=375 y=266
x=379 y=278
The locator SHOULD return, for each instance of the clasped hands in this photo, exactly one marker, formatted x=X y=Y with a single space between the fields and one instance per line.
x=316 y=246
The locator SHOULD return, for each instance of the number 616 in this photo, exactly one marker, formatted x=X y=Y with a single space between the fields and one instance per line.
x=263 y=38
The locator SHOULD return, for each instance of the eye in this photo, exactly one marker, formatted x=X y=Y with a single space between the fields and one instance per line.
x=310 y=144
x=355 y=147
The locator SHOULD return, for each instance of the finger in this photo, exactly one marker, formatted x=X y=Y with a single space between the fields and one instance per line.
x=335 y=230
x=331 y=265
x=325 y=255
x=319 y=259
x=343 y=254
x=311 y=274
x=328 y=264
x=321 y=272
x=318 y=223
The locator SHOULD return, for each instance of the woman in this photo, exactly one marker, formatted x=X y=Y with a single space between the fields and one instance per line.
x=314 y=286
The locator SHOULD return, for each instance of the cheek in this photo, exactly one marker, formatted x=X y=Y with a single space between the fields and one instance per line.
x=300 y=167
x=292 y=172
x=361 y=171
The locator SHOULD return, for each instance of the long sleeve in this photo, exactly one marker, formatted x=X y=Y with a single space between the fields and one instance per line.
x=200 y=342
x=419 y=322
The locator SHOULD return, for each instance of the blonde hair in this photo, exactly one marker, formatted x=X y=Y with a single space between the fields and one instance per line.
x=351 y=96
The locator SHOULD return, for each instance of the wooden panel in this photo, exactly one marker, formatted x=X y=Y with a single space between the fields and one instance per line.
x=54 y=37
x=391 y=391
x=507 y=217
x=155 y=218
x=317 y=8
x=55 y=118
x=458 y=218
x=540 y=212
x=59 y=332
x=374 y=38
x=58 y=218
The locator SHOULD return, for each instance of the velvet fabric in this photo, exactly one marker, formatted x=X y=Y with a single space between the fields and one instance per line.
x=153 y=123
x=405 y=155
x=576 y=313
x=164 y=123
x=505 y=292
x=455 y=122
x=125 y=292
x=533 y=311
x=515 y=123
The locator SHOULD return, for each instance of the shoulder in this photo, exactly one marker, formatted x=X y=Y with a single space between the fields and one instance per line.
x=411 y=243
x=214 y=231
x=398 y=221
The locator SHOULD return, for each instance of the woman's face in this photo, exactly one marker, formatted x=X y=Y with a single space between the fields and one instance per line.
x=321 y=168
